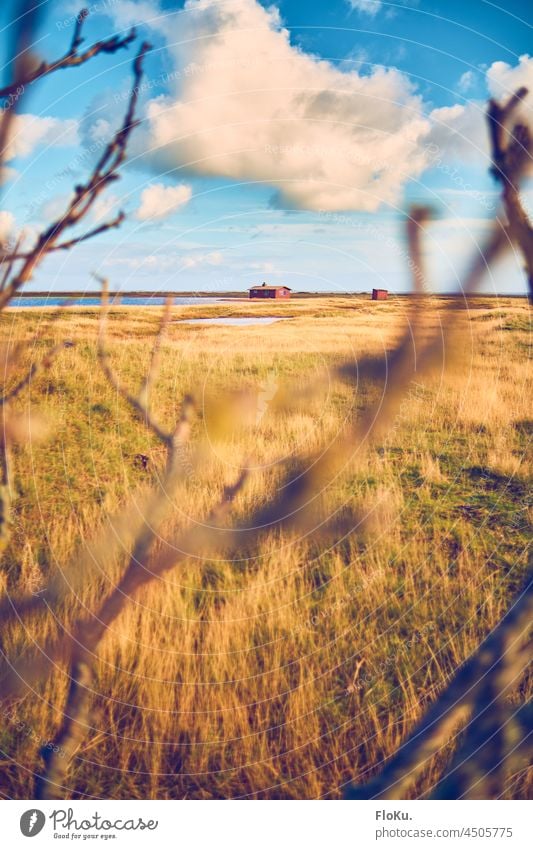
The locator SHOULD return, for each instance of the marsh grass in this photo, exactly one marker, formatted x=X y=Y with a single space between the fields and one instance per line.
x=288 y=671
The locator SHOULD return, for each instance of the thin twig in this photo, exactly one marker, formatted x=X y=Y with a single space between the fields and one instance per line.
x=35 y=369
x=137 y=402
x=72 y=59
x=146 y=385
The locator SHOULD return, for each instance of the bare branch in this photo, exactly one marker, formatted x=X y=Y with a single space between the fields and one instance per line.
x=509 y=162
x=137 y=402
x=85 y=195
x=20 y=66
x=498 y=116
x=35 y=369
x=66 y=246
x=419 y=216
x=72 y=59
x=146 y=385
x=5 y=494
x=456 y=703
x=6 y=437
x=88 y=635
x=85 y=643
x=9 y=260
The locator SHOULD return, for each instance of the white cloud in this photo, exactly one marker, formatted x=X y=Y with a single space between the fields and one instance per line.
x=372 y=7
x=466 y=81
x=105 y=207
x=504 y=79
x=147 y=263
x=459 y=132
x=211 y=258
x=133 y=13
x=27 y=132
x=159 y=201
x=250 y=106
x=165 y=262
x=264 y=267
x=367 y=7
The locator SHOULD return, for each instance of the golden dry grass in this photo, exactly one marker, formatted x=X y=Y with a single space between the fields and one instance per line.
x=288 y=671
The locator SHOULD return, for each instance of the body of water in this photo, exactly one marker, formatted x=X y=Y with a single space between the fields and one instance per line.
x=236 y=322
x=125 y=301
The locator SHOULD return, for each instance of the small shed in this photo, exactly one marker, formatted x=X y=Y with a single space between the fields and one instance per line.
x=379 y=294
x=265 y=291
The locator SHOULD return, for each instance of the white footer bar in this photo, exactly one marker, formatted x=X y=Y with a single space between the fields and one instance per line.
x=268 y=825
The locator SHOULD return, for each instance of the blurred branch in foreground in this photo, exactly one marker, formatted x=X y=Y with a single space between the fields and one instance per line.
x=478 y=693
x=511 y=156
x=18 y=268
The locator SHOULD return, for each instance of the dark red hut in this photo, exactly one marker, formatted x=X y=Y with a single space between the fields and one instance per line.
x=264 y=291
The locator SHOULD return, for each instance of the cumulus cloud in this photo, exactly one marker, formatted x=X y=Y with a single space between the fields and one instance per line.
x=248 y=105
x=27 y=132
x=503 y=78
x=10 y=233
x=159 y=201
x=460 y=132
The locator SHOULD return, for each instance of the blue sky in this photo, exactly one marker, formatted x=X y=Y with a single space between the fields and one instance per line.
x=280 y=142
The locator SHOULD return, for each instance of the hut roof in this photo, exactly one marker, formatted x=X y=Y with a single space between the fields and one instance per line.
x=264 y=286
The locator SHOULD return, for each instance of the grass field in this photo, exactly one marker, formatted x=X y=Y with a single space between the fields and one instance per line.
x=287 y=671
